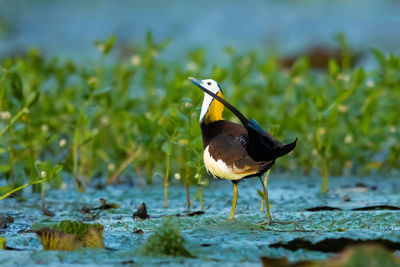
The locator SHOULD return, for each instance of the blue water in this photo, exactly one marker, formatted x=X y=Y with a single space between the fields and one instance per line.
x=68 y=28
x=242 y=240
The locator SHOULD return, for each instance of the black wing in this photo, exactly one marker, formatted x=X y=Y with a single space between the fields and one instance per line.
x=262 y=145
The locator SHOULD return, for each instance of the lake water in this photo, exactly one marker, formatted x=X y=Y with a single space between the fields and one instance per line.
x=68 y=28
x=210 y=237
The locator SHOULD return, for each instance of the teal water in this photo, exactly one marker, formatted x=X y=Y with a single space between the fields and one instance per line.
x=68 y=28
x=211 y=238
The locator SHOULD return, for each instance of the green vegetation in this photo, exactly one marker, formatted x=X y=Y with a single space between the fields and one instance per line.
x=79 y=229
x=114 y=116
x=166 y=240
x=3 y=242
x=70 y=235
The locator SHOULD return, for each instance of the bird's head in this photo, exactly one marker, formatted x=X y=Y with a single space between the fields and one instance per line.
x=208 y=84
x=211 y=110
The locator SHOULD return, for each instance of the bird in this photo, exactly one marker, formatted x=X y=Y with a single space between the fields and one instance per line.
x=235 y=151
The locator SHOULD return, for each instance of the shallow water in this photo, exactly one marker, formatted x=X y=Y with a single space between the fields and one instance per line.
x=211 y=237
x=69 y=27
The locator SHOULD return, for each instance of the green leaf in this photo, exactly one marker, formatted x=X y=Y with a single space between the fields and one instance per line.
x=3 y=150
x=32 y=99
x=299 y=67
x=16 y=86
x=333 y=68
x=359 y=77
x=5 y=189
x=4 y=168
x=105 y=46
x=260 y=194
x=2 y=243
x=380 y=57
x=327 y=112
x=165 y=147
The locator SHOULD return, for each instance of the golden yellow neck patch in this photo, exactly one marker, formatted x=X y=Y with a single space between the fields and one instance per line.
x=214 y=112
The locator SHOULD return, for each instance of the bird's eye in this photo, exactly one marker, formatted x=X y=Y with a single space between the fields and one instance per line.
x=209 y=83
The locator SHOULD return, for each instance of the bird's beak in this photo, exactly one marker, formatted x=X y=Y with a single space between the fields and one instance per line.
x=197 y=82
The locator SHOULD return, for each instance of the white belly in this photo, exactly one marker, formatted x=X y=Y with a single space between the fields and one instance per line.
x=219 y=168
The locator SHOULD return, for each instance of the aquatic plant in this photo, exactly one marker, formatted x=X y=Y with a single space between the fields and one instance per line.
x=71 y=235
x=57 y=240
x=167 y=148
x=166 y=240
x=110 y=118
x=3 y=243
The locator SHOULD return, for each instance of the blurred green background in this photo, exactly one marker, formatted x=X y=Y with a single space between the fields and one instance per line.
x=97 y=91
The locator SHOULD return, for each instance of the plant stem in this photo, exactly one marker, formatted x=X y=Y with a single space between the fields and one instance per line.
x=12 y=121
x=324 y=175
x=187 y=167
x=21 y=187
x=167 y=170
x=200 y=187
x=123 y=166
x=11 y=155
x=75 y=155
x=42 y=192
x=188 y=196
x=139 y=176
x=265 y=185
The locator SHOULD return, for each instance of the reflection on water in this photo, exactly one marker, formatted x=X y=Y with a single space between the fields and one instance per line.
x=69 y=27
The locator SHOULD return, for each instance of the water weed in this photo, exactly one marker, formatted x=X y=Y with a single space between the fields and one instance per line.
x=114 y=117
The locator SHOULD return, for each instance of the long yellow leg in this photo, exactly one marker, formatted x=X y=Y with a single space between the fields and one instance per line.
x=235 y=197
x=265 y=185
x=269 y=218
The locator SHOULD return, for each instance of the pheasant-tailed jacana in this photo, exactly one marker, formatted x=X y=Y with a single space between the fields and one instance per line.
x=233 y=151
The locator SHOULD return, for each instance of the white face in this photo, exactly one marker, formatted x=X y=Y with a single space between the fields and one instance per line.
x=212 y=86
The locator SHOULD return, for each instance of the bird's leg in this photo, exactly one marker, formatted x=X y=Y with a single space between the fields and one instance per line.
x=269 y=218
x=235 y=197
x=265 y=185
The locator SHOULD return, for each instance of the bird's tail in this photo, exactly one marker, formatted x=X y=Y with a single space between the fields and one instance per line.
x=282 y=151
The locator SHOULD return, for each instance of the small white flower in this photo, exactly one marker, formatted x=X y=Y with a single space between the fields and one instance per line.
x=188 y=105
x=343 y=108
x=62 y=142
x=64 y=186
x=43 y=174
x=191 y=66
x=5 y=115
x=310 y=136
x=348 y=139
x=314 y=152
x=322 y=131
x=370 y=83
x=392 y=129
x=177 y=176
x=344 y=77
x=197 y=176
x=26 y=110
x=111 y=167
x=44 y=128
x=136 y=60
x=105 y=120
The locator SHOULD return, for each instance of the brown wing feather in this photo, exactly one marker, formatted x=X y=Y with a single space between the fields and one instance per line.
x=229 y=145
